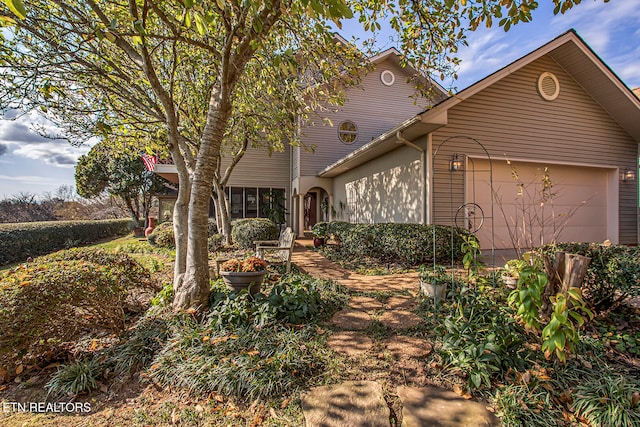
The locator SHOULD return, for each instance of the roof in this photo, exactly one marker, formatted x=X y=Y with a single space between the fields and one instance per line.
x=569 y=50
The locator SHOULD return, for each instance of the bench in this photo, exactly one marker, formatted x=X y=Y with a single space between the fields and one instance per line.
x=280 y=249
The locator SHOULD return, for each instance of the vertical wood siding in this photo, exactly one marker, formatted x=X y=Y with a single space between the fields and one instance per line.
x=513 y=121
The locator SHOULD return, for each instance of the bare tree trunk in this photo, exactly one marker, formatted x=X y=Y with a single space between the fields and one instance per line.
x=222 y=207
x=566 y=271
x=193 y=290
x=181 y=221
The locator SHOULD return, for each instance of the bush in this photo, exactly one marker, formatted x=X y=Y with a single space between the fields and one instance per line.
x=57 y=298
x=215 y=242
x=23 y=240
x=163 y=236
x=248 y=230
x=407 y=244
x=75 y=378
x=608 y=400
x=612 y=276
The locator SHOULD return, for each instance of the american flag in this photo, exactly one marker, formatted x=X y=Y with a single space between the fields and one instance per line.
x=149 y=161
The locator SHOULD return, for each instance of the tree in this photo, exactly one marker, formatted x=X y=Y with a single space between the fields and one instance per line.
x=122 y=175
x=186 y=72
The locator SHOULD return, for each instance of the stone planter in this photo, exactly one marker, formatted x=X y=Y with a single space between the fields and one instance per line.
x=237 y=281
x=429 y=290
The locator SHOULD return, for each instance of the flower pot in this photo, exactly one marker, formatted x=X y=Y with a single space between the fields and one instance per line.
x=318 y=241
x=429 y=289
x=151 y=227
x=237 y=281
x=510 y=281
x=138 y=232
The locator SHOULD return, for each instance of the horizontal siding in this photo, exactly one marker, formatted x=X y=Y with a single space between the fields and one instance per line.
x=512 y=121
x=258 y=169
x=373 y=107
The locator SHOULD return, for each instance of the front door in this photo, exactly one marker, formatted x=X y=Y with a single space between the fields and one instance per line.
x=310 y=210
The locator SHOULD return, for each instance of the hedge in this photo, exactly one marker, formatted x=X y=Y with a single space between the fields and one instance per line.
x=20 y=241
x=613 y=273
x=248 y=230
x=408 y=244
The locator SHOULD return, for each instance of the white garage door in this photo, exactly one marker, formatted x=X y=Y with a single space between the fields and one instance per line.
x=576 y=206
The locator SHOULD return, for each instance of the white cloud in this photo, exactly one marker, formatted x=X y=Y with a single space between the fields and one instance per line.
x=26 y=179
x=19 y=137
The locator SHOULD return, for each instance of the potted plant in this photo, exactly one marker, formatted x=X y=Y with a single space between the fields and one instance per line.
x=320 y=234
x=433 y=281
x=244 y=274
x=511 y=272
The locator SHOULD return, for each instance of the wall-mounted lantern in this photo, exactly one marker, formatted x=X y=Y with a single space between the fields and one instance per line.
x=455 y=164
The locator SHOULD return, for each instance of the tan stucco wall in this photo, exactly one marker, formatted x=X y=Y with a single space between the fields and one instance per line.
x=386 y=189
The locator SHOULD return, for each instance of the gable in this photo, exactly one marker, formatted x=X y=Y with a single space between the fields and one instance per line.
x=372 y=106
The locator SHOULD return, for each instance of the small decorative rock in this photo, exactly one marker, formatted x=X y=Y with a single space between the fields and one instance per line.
x=350 y=404
x=431 y=406
x=351 y=319
x=350 y=343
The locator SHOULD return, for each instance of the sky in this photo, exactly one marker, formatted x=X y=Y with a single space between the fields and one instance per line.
x=32 y=164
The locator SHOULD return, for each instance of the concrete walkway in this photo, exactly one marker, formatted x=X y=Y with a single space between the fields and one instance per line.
x=365 y=403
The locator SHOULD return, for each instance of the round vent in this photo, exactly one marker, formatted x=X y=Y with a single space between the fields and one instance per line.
x=548 y=86
x=387 y=78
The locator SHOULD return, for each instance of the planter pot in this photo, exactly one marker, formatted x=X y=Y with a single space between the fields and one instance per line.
x=151 y=227
x=429 y=290
x=138 y=232
x=318 y=241
x=237 y=281
x=510 y=281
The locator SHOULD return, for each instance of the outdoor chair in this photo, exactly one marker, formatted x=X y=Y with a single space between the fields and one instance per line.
x=280 y=249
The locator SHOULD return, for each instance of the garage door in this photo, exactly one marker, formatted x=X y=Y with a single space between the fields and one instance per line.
x=574 y=208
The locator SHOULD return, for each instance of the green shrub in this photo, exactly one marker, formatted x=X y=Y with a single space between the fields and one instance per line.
x=248 y=230
x=75 y=378
x=57 y=298
x=481 y=339
x=608 y=399
x=612 y=276
x=406 y=244
x=521 y=405
x=163 y=236
x=321 y=230
x=23 y=240
x=215 y=242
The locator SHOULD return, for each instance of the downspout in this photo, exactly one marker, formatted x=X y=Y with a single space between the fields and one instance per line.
x=423 y=174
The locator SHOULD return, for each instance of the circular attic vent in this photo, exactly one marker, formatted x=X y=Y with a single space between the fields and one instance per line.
x=548 y=86
x=387 y=77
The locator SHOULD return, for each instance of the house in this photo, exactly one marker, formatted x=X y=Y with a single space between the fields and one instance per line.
x=560 y=108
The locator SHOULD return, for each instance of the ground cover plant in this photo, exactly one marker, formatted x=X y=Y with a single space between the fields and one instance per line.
x=249 y=347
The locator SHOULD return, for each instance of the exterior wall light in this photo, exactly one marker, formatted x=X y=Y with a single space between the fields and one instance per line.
x=628 y=175
x=455 y=164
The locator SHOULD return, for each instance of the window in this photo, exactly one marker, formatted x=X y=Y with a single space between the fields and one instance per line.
x=237 y=207
x=252 y=202
x=348 y=132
